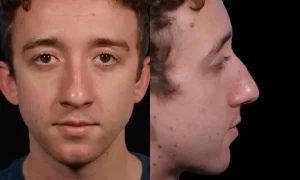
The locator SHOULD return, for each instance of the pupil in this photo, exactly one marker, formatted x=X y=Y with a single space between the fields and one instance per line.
x=105 y=57
x=46 y=58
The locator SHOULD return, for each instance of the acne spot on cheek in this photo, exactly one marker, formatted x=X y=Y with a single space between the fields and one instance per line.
x=174 y=155
x=175 y=145
x=192 y=25
x=171 y=128
x=159 y=146
x=93 y=14
x=153 y=164
x=159 y=156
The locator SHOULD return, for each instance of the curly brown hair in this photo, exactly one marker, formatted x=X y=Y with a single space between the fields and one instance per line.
x=161 y=44
x=8 y=9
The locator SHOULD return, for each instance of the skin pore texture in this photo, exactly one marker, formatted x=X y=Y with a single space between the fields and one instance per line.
x=76 y=61
x=193 y=130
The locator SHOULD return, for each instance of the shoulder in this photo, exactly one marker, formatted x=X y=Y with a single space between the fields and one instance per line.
x=146 y=165
x=142 y=157
x=14 y=171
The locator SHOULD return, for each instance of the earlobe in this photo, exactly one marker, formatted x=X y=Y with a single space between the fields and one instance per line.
x=8 y=84
x=143 y=83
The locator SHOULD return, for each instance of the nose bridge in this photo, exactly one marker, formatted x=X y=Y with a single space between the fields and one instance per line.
x=246 y=90
x=75 y=84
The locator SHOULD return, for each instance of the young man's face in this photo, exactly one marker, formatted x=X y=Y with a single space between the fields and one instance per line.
x=196 y=126
x=76 y=64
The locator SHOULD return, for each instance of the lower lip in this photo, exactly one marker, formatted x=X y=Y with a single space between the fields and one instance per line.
x=234 y=131
x=74 y=130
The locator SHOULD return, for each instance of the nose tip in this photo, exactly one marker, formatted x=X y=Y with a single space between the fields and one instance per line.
x=76 y=88
x=253 y=93
x=76 y=101
x=246 y=90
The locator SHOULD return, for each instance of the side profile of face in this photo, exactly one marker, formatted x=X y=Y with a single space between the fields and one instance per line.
x=194 y=128
x=75 y=61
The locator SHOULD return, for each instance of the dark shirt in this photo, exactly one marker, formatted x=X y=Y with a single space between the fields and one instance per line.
x=14 y=171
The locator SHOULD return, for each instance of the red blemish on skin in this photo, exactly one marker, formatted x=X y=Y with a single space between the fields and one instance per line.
x=171 y=128
x=175 y=145
x=93 y=14
x=154 y=164
x=159 y=146
x=192 y=25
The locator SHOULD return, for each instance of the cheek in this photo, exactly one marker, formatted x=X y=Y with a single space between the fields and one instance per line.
x=198 y=114
x=116 y=98
x=35 y=99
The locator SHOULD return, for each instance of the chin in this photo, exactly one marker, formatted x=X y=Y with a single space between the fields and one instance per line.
x=212 y=166
x=212 y=169
x=76 y=157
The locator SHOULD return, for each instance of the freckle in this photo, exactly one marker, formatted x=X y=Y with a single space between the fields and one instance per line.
x=171 y=128
x=154 y=117
x=159 y=146
x=159 y=156
x=174 y=155
x=154 y=164
x=217 y=133
x=175 y=145
x=93 y=14
x=192 y=25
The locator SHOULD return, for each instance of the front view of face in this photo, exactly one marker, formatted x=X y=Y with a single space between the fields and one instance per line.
x=75 y=61
x=196 y=126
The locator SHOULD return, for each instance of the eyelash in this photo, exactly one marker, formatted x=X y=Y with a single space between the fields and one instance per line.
x=36 y=59
x=220 y=66
x=107 y=54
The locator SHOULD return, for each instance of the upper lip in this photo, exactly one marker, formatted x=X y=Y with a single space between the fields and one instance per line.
x=236 y=123
x=75 y=123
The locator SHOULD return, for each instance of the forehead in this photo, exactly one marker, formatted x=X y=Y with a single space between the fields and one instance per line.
x=76 y=17
x=203 y=28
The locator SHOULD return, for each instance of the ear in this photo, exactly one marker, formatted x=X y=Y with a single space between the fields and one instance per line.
x=8 y=84
x=142 y=84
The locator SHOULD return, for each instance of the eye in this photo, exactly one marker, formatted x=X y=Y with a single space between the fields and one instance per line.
x=222 y=63
x=105 y=59
x=45 y=59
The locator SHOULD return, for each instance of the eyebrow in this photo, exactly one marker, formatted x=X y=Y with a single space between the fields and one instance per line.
x=104 y=42
x=219 y=45
x=52 y=41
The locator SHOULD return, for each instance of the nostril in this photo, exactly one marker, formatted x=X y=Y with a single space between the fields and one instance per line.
x=75 y=105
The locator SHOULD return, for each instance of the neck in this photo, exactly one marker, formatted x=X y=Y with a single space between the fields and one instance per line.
x=163 y=165
x=115 y=163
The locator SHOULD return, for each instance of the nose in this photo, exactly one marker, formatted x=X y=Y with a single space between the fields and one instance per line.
x=245 y=88
x=76 y=89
